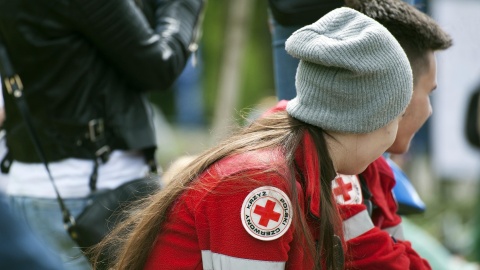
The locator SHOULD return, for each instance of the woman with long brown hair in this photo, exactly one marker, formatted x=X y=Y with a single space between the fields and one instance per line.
x=262 y=199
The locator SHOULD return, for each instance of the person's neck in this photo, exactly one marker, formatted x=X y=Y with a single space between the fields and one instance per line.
x=342 y=149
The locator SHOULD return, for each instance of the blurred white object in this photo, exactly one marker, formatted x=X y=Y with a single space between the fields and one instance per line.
x=458 y=75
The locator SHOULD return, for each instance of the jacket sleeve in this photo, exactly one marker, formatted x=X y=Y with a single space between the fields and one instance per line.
x=222 y=220
x=369 y=240
x=369 y=247
x=150 y=58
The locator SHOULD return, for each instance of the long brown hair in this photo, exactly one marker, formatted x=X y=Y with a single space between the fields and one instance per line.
x=140 y=230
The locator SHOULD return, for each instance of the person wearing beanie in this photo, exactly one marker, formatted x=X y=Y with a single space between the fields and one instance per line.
x=263 y=198
x=383 y=182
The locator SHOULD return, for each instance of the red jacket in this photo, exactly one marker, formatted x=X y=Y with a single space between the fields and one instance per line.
x=238 y=216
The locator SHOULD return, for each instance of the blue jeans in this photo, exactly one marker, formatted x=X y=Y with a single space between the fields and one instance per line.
x=44 y=217
x=284 y=65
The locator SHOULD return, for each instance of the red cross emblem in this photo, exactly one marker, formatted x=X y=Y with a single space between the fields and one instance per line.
x=342 y=189
x=266 y=213
x=347 y=189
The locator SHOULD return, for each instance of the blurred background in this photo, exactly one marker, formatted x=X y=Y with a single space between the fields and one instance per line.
x=232 y=82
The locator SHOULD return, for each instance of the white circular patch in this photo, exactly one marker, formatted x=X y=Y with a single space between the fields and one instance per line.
x=347 y=189
x=266 y=213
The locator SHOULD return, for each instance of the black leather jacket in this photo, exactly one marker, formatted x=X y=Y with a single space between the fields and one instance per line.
x=88 y=62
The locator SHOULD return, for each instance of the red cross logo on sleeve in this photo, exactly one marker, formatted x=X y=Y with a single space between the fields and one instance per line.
x=342 y=189
x=266 y=213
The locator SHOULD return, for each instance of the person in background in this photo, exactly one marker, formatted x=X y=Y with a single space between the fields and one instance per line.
x=263 y=198
x=287 y=16
x=86 y=68
x=420 y=37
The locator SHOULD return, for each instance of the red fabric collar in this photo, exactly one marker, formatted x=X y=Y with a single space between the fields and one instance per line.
x=380 y=181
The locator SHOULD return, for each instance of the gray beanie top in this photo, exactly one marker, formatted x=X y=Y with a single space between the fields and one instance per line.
x=353 y=75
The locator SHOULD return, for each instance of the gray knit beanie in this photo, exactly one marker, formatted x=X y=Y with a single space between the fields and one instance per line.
x=353 y=75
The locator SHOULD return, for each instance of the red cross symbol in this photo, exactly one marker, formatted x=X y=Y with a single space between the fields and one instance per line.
x=342 y=189
x=266 y=213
